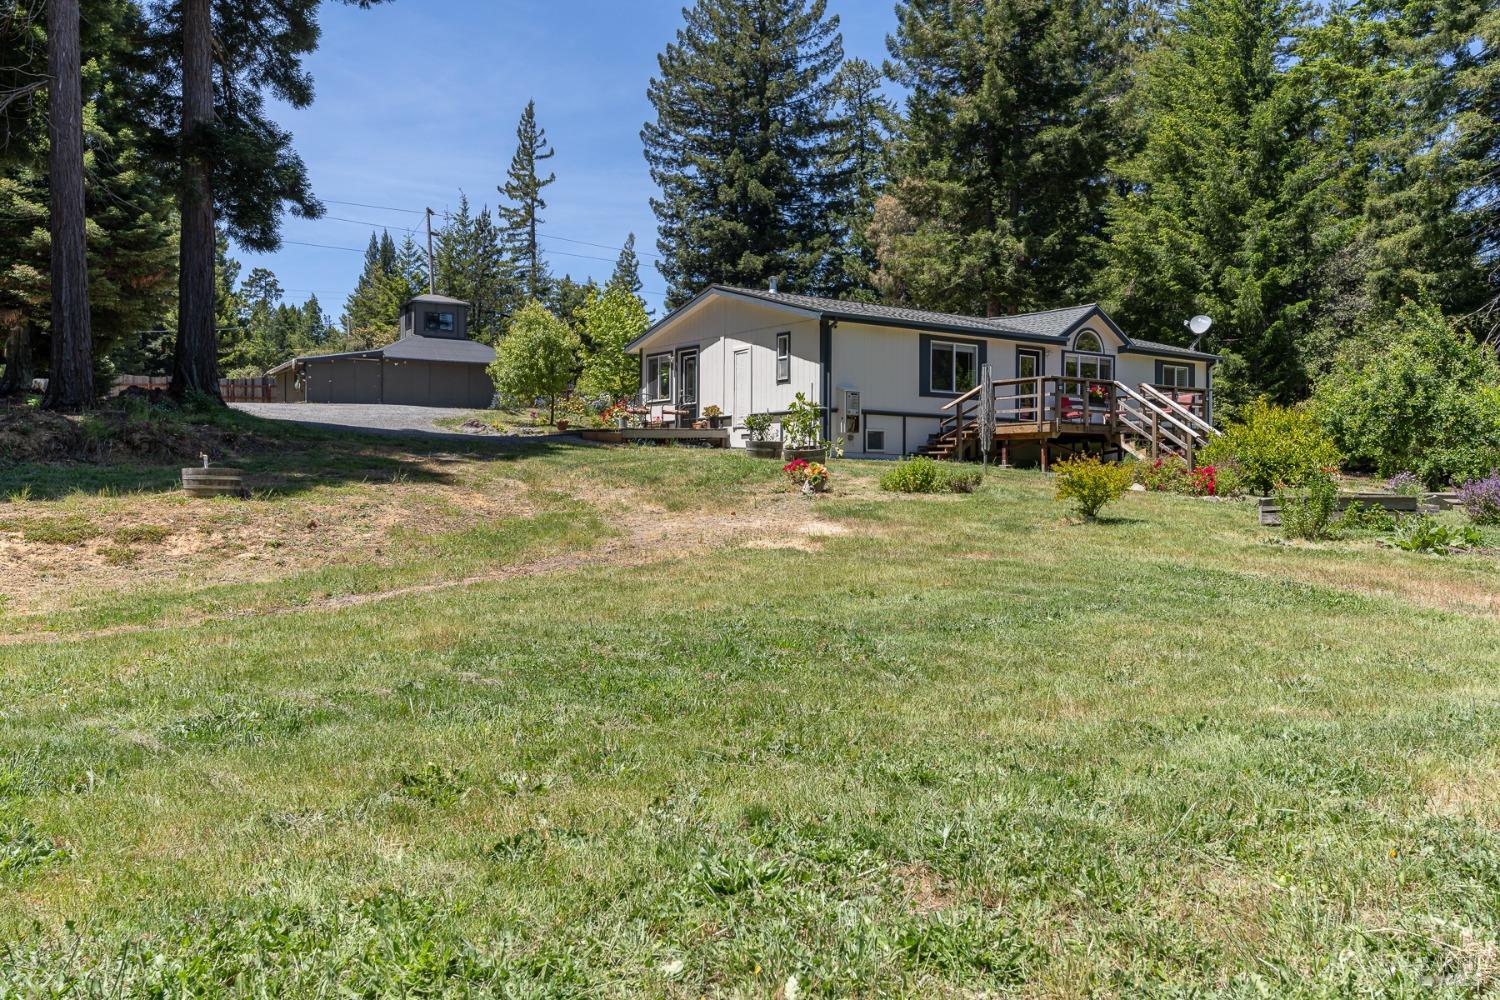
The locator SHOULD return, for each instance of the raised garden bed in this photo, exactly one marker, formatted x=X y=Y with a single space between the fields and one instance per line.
x=1270 y=508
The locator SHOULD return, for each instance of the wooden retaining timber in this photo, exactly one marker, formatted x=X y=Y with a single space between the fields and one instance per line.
x=1270 y=508
x=213 y=482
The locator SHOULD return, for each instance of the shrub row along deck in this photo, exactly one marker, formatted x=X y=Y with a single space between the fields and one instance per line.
x=1068 y=416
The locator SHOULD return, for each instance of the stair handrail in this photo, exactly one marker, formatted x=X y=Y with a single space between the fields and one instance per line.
x=954 y=402
x=1154 y=391
x=1131 y=393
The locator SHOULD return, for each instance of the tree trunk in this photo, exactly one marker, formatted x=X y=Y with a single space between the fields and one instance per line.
x=70 y=384
x=195 y=368
x=17 y=378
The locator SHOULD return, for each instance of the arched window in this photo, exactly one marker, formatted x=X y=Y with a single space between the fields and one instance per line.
x=1088 y=342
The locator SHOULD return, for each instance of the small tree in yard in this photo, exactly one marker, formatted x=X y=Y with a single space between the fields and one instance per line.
x=610 y=321
x=538 y=357
x=1091 y=484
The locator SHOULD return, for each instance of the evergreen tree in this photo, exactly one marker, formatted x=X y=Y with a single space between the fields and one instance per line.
x=70 y=377
x=863 y=153
x=372 y=314
x=1002 y=172
x=471 y=265
x=213 y=64
x=627 y=273
x=522 y=217
x=1219 y=211
x=567 y=298
x=741 y=145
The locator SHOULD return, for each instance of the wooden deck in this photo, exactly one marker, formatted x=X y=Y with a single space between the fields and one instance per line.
x=711 y=438
x=1068 y=415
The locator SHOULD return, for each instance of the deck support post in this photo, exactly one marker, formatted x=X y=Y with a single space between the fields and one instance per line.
x=1046 y=457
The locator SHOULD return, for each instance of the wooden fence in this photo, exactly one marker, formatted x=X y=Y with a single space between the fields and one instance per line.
x=234 y=390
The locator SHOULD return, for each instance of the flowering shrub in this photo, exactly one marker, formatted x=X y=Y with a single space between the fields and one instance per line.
x=1481 y=499
x=1173 y=475
x=811 y=477
x=1091 y=484
x=1405 y=484
x=1274 y=445
x=1165 y=475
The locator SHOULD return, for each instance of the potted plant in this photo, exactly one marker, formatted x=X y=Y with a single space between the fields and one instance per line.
x=562 y=425
x=713 y=415
x=760 y=444
x=802 y=430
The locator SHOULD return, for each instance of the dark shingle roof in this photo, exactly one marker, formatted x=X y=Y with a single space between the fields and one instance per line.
x=1051 y=325
x=442 y=349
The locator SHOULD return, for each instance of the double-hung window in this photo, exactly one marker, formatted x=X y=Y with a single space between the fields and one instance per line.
x=783 y=358
x=954 y=367
x=659 y=378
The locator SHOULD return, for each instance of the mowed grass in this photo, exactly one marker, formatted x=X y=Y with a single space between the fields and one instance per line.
x=951 y=746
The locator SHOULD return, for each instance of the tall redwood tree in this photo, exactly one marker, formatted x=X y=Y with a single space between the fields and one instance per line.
x=70 y=384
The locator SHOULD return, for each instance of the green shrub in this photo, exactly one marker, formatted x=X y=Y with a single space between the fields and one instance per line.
x=923 y=475
x=1365 y=517
x=1274 y=446
x=759 y=426
x=1091 y=484
x=1310 y=513
x=1427 y=534
x=1417 y=395
x=1164 y=475
x=802 y=427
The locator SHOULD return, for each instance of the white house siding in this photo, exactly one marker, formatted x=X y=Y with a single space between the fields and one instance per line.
x=1133 y=369
x=721 y=327
x=885 y=366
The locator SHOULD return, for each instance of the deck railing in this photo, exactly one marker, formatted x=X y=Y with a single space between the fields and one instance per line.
x=1162 y=423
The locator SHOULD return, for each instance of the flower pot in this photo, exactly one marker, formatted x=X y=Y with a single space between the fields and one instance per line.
x=763 y=449
x=562 y=425
x=806 y=454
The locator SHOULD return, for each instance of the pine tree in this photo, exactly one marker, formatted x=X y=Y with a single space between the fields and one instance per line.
x=522 y=217
x=471 y=265
x=1002 y=173
x=863 y=154
x=373 y=312
x=1217 y=215
x=743 y=135
x=627 y=273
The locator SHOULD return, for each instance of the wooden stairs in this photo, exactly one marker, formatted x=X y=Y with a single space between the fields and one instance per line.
x=1142 y=422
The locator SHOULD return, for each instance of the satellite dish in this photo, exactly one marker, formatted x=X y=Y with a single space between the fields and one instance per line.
x=1199 y=325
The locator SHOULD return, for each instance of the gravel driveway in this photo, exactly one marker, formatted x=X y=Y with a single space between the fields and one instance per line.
x=366 y=418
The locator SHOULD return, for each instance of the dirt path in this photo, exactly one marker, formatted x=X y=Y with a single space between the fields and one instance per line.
x=646 y=537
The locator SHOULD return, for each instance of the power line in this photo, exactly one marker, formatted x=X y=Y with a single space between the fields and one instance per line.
x=378 y=208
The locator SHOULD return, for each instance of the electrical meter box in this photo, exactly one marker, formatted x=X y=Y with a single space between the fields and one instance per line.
x=852 y=412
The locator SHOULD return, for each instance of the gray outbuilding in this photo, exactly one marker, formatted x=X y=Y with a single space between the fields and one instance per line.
x=433 y=364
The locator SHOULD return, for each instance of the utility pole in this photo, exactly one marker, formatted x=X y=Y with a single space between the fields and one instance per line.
x=431 y=271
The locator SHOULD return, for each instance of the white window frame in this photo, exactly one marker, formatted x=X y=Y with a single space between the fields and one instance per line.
x=1088 y=333
x=784 y=357
x=1075 y=359
x=656 y=365
x=955 y=348
x=1186 y=371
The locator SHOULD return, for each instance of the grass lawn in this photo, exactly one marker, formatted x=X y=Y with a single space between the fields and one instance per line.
x=612 y=722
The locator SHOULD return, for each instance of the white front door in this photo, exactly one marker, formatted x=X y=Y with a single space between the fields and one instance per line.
x=742 y=400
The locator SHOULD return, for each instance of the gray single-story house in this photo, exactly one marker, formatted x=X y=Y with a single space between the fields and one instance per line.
x=433 y=364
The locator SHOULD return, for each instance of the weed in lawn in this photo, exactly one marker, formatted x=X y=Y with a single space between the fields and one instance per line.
x=73 y=529
x=118 y=555
x=141 y=534
x=23 y=847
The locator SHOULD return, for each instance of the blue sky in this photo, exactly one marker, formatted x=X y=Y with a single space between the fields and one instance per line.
x=418 y=100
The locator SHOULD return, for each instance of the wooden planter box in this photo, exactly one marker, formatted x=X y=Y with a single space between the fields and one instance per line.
x=763 y=449
x=1270 y=509
x=806 y=454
